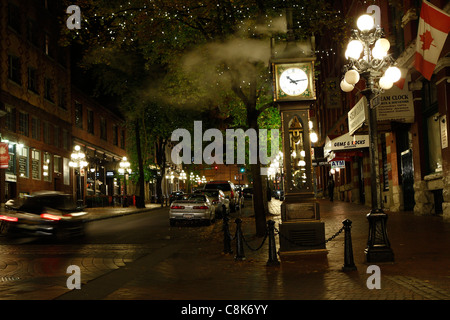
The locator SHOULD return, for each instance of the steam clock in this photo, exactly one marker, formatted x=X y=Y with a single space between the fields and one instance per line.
x=301 y=229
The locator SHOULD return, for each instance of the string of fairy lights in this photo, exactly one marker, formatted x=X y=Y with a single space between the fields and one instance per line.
x=126 y=19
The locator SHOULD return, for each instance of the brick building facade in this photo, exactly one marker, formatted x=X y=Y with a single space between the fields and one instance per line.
x=42 y=111
x=414 y=156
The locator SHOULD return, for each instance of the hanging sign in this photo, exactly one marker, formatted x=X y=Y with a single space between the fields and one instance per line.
x=396 y=105
x=4 y=155
x=338 y=164
x=357 y=115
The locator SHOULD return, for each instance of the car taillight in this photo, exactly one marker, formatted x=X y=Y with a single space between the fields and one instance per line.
x=232 y=194
x=8 y=218
x=201 y=207
x=50 y=216
x=177 y=207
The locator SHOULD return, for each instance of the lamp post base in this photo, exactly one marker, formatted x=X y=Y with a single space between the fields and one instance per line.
x=378 y=246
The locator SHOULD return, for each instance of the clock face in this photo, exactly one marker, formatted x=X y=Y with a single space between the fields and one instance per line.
x=293 y=81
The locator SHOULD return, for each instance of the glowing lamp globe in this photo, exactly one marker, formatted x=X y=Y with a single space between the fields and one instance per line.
x=354 y=49
x=393 y=74
x=383 y=44
x=365 y=22
x=313 y=137
x=385 y=83
x=346 y=87
x=351 y=77
x=378 y=53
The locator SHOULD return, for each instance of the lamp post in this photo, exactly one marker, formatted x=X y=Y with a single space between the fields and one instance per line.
x=78 y=161
x=183 y=177
x=124 y=169
x=367 y=53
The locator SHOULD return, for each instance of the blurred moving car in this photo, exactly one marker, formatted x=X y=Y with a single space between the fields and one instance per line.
x=220 y=202
x=198 y=207
x=228 y=189
x=45 y=214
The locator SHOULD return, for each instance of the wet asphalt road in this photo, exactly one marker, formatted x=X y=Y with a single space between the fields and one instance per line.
x=32 y=268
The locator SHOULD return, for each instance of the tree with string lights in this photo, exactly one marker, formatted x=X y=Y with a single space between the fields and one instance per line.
x=196 y=54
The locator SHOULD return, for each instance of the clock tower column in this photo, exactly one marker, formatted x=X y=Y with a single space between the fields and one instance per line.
x=301 y=230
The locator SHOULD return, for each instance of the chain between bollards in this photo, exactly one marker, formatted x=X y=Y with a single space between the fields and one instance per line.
x=349 y=264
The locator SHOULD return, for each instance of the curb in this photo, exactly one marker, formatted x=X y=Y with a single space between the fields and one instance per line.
x=110 y=216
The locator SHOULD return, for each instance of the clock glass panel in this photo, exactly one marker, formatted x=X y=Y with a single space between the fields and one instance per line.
x=293 y=81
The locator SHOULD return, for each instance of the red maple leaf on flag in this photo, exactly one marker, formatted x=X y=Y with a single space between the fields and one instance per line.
x=427 y=40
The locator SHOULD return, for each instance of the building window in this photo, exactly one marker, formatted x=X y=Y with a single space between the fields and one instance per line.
x=56 y=136
x=47 y=166
x=12 y=159
x=78 y=115
x=122 y=139
x=23 y=124
x=48 y=89
x=14 y=17
x=11 y=119
x=35 y=128
x=46 y=129
x=66 y=173
x=432 y=137
x=103 y=133
x=35 y=164
x=62 y=99
x=47 y=44
x=65 y=139
x=22 y=156
x=32 y=33
x=32 y=79
x=90 y=121
x=14 y=69
x=57 y=164
x=115 y=135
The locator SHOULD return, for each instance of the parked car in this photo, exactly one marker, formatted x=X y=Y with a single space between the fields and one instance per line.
x=247 y=192
x=198 y=207
x=228 y=189
x=221 y=203
x=44 y=214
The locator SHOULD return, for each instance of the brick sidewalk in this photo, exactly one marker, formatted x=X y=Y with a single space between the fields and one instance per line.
x=201 y=271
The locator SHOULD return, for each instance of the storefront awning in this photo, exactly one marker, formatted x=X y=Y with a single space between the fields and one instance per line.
x=344 y=155
x=346 y=142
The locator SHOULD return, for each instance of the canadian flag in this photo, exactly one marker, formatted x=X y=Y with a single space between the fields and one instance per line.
x=401 y=83
x=434 y=25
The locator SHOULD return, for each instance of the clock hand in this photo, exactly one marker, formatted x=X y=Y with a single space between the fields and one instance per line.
x=292 y=81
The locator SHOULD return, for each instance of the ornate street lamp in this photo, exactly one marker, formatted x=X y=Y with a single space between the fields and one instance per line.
x=367 y=53
x=124 y=169
x=78 y=161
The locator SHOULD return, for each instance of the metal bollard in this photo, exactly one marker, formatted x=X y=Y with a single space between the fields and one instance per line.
x=273 y=260
x=349 y=264
x=239 y=242
x=226 y=235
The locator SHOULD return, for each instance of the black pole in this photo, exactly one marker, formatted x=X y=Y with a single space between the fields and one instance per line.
x=273 y=260
x=349 y=264
x=226 y=235
x=239 y=242
x=378 y=246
